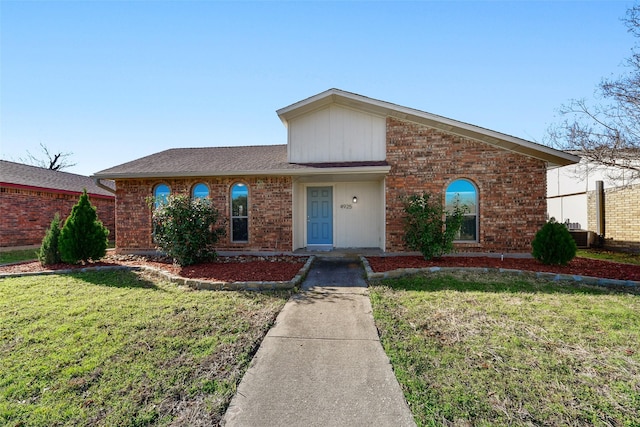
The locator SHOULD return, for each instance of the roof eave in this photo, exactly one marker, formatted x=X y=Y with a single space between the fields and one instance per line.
x=54 y=190
x=504 y=141
x=267 y=172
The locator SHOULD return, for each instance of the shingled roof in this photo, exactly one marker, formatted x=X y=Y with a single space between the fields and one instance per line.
x=203 y=161
x=222 y=161
x=19 y=175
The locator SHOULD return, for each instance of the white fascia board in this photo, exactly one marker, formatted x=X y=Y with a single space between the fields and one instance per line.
x=305 y=106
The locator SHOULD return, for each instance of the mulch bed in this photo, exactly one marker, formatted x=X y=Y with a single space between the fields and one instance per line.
x=224 y=269
x=284 y=268
x=578 y=266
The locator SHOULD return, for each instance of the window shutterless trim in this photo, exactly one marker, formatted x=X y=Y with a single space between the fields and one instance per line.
x=239 y=221
x=476 y=214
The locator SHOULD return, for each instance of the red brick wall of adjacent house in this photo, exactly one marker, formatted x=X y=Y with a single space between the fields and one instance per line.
x=25 y=214
x=270 y=211
x=511 y=187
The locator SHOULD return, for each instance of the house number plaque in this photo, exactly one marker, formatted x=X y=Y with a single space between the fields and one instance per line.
x=346 y=206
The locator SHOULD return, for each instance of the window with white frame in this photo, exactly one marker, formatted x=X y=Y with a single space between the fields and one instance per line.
x=160 y=194
x=200 y=191
x=463 y=193
x=239 y=213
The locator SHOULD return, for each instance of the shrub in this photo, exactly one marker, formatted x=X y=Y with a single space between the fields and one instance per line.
x=83 y=236
x=425 y=227
x=553 y=244
x=49 y=253
x=186 y=229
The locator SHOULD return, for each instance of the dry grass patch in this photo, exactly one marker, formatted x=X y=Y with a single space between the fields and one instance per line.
x=502 y=350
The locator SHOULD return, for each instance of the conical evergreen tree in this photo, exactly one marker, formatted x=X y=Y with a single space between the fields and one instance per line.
x=83 y=236
x=49 y=253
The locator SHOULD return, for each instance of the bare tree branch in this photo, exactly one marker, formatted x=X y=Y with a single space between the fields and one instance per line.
x=607 y=132
x=55 y=161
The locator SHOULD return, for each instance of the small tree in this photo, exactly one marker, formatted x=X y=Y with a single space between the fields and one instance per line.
x=186 y=229
x=553 y=244
x=428 y=227
x=83 y=236
x=49 y=253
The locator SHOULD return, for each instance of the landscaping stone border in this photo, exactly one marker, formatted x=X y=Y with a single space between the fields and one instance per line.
x=192 y=283
x=554 y=277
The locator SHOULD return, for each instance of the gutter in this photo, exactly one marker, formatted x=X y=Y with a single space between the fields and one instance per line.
x=104 y=187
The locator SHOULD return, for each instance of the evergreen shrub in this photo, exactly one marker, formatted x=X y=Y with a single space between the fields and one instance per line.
x=83 y=237
x=49 y=253
x=553 y=244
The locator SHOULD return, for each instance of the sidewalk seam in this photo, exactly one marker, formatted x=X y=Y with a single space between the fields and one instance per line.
x=323 y=338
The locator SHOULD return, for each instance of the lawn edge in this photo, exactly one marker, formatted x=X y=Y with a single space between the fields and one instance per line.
x=554 y=277
x=198 y=284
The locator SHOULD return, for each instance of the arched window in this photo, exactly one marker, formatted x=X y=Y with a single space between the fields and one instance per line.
x=239 y=213
x=462 y=192
x=160 y=194
x=200 y=191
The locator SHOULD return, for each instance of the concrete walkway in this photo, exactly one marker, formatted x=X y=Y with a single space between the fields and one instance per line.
x=322 y=363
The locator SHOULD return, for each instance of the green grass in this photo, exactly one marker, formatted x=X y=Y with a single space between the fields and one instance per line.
x=624 y=257
x=115 y=348
x=490 y=349
x=8 y=257
x=17 y=256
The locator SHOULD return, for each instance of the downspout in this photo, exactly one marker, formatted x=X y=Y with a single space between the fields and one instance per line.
x=600 y=210
x=104 y=187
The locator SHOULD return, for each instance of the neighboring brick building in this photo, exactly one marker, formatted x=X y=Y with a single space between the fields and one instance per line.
x=340 y=180
x=30 y=196
x=622 y=217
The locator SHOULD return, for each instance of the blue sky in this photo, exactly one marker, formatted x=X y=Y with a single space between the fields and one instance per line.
x=112 y=81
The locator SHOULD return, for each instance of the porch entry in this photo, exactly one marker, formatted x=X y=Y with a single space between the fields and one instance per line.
x=320 y=216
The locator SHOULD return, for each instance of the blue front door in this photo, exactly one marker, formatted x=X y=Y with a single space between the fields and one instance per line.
x=319 y=216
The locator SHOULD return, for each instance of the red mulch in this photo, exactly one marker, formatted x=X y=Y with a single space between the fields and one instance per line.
x=578 y=266
x=224 y=269
x=284 y=268
x=249 y=271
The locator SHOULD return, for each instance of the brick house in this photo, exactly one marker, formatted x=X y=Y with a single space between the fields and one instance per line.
x=30 y=196
x=340 y=179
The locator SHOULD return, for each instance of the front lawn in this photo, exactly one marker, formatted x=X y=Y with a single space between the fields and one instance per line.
x=116 y=348
x=489 y=349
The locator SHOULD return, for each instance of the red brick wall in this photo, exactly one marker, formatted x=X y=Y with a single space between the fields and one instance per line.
x=511 y=187
x=25 y=214
x=270 y=211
